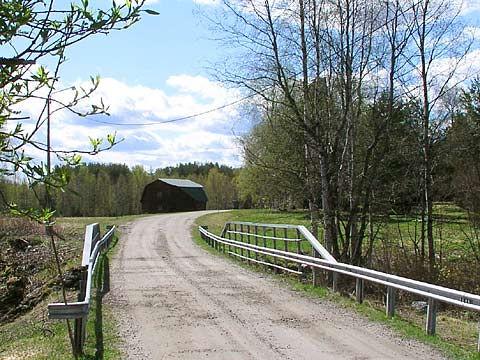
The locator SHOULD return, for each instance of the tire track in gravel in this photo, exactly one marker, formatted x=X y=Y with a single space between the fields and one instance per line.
x=203 y=270
x=177 y=301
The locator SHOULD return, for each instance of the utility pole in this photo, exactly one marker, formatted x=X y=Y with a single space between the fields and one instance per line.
x=48 y=198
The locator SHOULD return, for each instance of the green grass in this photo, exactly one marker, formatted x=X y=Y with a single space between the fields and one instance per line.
x=34 y=336
x=456 y=333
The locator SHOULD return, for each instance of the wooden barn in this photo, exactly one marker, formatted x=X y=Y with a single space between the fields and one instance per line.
x=169 y=195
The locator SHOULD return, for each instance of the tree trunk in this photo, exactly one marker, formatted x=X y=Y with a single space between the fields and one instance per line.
x=328 y=205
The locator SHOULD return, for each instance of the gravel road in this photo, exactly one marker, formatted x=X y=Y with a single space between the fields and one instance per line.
x=174 y=300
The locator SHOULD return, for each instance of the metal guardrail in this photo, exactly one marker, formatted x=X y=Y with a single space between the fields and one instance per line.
x=270 y=257
x=78 y=310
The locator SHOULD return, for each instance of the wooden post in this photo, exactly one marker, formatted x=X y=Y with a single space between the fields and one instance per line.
x=390 y=303
x=264 y=243
x=359 y=290
x=256 y=241
x=299 y=250
x=229 y=237
x=248 y=240
x=275 y=247
x=431 y=317
x=241 y=238
x=235 y=237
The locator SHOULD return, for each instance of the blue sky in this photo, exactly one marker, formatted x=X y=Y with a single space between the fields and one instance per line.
x=154 y=71
x=174 y=42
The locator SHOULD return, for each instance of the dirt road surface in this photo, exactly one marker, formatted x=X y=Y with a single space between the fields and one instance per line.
x=174 y=300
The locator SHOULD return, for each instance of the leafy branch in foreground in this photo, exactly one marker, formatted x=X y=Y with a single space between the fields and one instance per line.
x=34 y=36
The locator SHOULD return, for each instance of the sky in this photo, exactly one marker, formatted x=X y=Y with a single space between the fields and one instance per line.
x=162 y=68
x=156 y=70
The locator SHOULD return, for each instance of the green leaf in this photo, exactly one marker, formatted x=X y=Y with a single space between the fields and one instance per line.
x=111 y=138
x=151 y=12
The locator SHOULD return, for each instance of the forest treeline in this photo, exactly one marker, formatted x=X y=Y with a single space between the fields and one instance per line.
x=96 y=189
x=275 y=176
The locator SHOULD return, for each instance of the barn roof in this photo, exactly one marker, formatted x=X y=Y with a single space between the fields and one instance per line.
x=181 y=183
x=191 y=188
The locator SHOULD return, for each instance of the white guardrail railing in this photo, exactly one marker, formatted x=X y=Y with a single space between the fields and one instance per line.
x=78 y=310
x=247 y=238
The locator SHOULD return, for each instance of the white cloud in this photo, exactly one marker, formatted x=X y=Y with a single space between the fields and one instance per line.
x=469 y=6
x=208 y=137
x=473 y=31
x=207 y=2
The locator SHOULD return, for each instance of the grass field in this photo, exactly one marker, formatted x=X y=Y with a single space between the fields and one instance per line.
x=457 y=330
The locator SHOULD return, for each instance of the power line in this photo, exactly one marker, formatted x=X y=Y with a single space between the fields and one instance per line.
x=175 y=119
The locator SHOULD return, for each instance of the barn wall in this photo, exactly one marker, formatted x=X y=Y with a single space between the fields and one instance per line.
x=161 y=197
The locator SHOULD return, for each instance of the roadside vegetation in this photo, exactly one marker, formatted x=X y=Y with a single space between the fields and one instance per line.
x=29 y=281
x=457 y=330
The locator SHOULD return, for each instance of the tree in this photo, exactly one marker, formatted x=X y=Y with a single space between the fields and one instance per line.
x=273 y=173
x=314 y=57
x=34 y=37
x=344 y=70
x=463 y=144
x=436 y=36
x=220 y=190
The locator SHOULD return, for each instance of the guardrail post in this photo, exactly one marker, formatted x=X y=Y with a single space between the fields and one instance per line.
x=203 y=236
x=315 y=271
x=274 y=242
x=334 y=281
x=299 y=250
x=222 y=246
x=478 y=341
x=256 y=241
x=241 y=238
x=106 y=275
x=107 y=243
x=390 y=303
x=248 y=240
x=229 y=237
x=80 y=325
x=431 y=316
x=264 y=241
x=359 y=290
